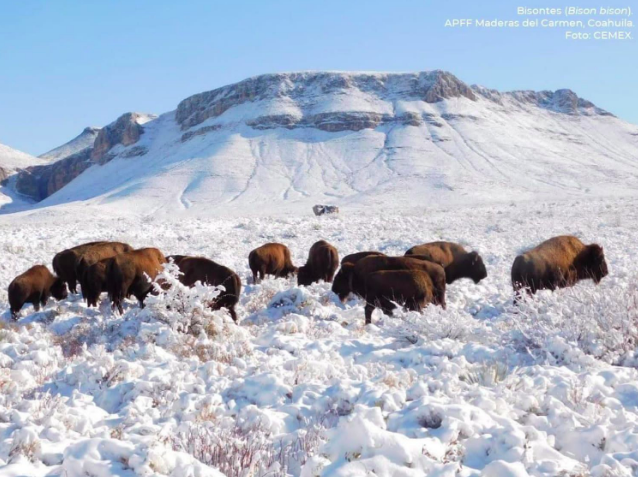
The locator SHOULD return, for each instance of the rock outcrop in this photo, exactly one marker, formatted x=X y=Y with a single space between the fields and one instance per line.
x=39 y=182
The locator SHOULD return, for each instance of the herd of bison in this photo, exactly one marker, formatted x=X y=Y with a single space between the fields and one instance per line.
x=413 y=280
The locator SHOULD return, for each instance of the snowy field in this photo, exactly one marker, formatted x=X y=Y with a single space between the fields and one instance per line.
x=301 y=386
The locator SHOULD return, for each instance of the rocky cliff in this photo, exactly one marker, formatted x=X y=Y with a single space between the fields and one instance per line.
x=39 y=182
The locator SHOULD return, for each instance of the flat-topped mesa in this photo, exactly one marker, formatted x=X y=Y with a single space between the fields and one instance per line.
x=560 y=101
x=306 y=88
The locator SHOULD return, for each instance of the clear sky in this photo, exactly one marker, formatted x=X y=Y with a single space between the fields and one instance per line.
x=65 y=65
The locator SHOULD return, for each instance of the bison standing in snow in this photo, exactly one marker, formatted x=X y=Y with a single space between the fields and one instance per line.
x=94 y=281
x=341 y=283
x=35 y=286
x=558 y=263
x=65 y=262
x=95 y=254
x=271 y=259
x=206 y=271
x=414 y=289
x=457 y=262
x=322 y=263
x=131 y=273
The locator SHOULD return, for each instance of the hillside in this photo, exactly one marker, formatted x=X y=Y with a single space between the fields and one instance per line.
x=280 y=142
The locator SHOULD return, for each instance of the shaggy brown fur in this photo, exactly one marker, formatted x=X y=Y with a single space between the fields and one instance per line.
x=322 y=263
x=368 y=265
x=210 y=273
x=35 y=286
x=94 y=254
x=94 y=281
x=413 y=289
x=457 y=262
x=558 y=263
x=127 y=275
x=341 y=283
x=65 y=262
x=271 y=259
x=355 y=257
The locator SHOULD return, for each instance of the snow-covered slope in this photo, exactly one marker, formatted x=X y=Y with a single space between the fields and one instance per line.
x=75 y=145
x=12 y=160
x=278 y=142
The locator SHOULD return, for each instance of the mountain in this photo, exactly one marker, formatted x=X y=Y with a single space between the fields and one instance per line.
x=75 y=145
x=12 y=160
x=281 y=142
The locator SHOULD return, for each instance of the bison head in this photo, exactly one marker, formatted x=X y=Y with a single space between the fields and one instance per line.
x=341 y=282
x=477 y=267
x=304 y=276
x=58 y=289
x=595 y=264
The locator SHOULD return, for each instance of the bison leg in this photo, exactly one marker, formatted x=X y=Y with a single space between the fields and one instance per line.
x=233 y=313
x=368 y=311
x=73 y=285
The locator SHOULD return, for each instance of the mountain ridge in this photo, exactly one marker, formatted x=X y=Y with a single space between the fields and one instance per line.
x=303 y=137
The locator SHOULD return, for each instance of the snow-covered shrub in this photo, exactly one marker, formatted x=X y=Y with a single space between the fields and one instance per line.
x=183 y=308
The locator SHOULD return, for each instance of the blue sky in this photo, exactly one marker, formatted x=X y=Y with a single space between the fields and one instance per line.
x=65 y=65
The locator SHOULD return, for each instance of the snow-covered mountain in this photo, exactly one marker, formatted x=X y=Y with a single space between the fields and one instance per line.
x=12 y=160
x=85 y=140
x=281 y=141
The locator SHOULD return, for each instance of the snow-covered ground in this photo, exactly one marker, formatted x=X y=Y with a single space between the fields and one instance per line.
x=301 y=386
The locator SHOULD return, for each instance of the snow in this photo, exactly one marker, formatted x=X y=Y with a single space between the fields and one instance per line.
x=300 y=386
x=12 y=159
x=85 y=139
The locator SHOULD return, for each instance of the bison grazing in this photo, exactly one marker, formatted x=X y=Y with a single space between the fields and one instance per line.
x=271 y=259
x=131 y=273
x=35 y=286
x=206 y=271
x=457 y=262
x=65 y=262
x=368 y=265
x=558 y=263
x=341 y=283
x=93 y=255
x=322 y=263
x=94 y=281
x=413 y=289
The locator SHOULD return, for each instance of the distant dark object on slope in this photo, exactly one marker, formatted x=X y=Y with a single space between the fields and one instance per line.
x=325 y=209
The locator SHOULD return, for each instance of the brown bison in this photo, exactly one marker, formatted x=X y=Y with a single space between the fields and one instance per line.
x=341 y=283
x=65 y=262
x=271 y=259
x=94 y=281
x=131 y=273
x=206 y=271
x=558 y=263
x=322 y=263
x=96 y=253
x=413 y=289
x=457 y=262
x=35 y=286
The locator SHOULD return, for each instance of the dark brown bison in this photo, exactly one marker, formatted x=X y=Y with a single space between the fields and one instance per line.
x=271 y=259
x=65 y=262
x=322 y=263
x=558 y=263
x=457 y=262
x=206 y=271
x=371 y=264
x=35 y=286
x=131 y=273
x=94 y=254
x=341 y=282
x=94 y=281
x=413 y=289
